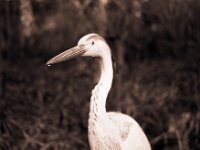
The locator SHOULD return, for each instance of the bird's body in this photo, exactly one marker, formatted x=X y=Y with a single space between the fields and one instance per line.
x=106 y=131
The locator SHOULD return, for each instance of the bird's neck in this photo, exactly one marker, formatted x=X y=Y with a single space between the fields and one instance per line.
x=106 y=73
x=100 y=92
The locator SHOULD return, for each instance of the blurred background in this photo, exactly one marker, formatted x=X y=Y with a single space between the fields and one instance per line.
x=156 y=45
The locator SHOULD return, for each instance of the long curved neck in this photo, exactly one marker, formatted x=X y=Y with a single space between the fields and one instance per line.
x=100 y=92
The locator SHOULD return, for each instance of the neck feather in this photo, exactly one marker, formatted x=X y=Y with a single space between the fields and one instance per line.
x=101 y=90
x=106 y=73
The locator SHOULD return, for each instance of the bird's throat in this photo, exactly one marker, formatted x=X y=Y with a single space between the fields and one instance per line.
x=101 y=90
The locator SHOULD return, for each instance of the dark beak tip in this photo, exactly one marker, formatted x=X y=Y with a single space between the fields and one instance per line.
x=49 y=63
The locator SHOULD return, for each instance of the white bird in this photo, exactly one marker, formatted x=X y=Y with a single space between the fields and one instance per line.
x=106 y=130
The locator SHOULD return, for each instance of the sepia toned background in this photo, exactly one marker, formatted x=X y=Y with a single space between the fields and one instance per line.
x=156 y=45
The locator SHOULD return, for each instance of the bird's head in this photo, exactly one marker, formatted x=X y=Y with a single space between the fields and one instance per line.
x=89 y=45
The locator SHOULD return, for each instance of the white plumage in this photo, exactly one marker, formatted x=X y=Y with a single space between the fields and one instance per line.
x=106 y=130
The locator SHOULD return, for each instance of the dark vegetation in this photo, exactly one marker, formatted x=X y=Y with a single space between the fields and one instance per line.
x=157 y=49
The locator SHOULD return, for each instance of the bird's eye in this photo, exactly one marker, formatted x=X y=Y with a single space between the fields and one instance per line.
x=92 y=42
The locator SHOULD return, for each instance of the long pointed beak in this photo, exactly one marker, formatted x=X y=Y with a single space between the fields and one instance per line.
x=68 y=54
